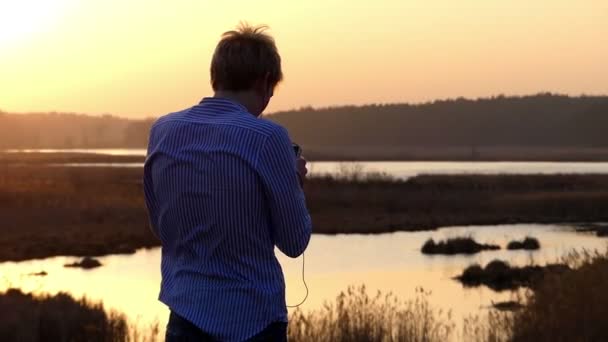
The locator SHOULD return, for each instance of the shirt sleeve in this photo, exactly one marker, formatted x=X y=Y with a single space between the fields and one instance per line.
x=150 y=197
x=291 y=221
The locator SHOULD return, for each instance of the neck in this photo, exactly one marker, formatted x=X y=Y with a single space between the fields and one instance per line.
x=245 y=98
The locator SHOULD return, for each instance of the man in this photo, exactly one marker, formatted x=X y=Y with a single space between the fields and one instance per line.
x=223 y=188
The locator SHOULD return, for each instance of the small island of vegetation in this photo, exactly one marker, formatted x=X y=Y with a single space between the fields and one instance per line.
x=528 y=243
x=499 y=275
x=458 y=245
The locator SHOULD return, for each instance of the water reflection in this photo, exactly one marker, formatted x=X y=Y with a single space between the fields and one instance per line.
x=106 y=151
x=399 y=169
x=386 y=262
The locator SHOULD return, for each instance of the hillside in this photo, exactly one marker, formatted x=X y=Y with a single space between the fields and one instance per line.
x=542 y=126
x=68 y=130
x=540 y=120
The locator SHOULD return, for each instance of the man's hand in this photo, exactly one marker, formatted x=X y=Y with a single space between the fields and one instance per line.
x=302 y=170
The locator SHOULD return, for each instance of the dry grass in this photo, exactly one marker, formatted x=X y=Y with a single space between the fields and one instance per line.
x=563 y=306
x=357 y=317
x=571 y=306
x=28 y=318
x=93 y=211
x=428 y=202
x=568 y=306
x=61 y=317
x=49 y=211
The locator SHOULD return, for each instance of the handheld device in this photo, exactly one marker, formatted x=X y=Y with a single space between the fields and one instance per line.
x=298 y=152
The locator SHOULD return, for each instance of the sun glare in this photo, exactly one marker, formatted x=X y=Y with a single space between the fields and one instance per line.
x=20 y=19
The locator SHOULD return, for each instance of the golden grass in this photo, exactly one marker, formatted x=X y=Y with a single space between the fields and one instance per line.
x=57 y=318
x=355 y=316
x=564 y=306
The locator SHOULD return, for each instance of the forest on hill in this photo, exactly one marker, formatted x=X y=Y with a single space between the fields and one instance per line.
x=538 y=120
x=463 y=127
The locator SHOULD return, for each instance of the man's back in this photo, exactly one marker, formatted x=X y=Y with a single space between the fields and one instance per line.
x=222 y=191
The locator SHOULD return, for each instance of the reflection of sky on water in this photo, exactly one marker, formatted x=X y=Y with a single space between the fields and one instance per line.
x=107 y=151
x=396 y=169
x=387 y=262
x=408 y=169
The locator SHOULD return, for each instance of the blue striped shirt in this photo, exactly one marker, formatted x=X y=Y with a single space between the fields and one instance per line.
x=222 y=191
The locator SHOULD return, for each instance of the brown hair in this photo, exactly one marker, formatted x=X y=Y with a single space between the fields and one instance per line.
x=244 y=56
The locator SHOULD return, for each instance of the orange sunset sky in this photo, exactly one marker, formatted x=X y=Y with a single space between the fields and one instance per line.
x=141 y=58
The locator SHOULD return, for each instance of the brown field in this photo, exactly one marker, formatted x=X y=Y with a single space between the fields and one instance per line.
x=87 y=211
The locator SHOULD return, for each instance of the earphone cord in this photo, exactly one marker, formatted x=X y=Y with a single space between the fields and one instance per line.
x=305 y=286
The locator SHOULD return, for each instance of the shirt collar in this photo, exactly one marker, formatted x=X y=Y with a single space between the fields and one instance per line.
x=225 y=102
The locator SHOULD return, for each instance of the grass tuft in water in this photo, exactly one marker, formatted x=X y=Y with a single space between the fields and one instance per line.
x=458 y=245
x=499 y=275
x=528 y=243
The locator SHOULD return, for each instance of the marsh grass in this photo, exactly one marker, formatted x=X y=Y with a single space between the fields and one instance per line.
x=356 y=316
x=600 y=229
x=528 y=243
x=499 y=275
x=26 y=317
x=457 y=245
x=378 y=204
x=61 y=317
x=566 y=306
x=92 y=211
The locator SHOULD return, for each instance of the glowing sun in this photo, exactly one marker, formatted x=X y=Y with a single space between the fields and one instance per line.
x=20 y=19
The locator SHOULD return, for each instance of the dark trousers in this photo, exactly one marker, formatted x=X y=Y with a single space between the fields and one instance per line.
x=181 y=330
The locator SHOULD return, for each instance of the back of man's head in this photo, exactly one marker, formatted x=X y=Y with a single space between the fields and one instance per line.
x=243 y=57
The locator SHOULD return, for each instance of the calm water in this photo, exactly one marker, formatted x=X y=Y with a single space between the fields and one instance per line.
x=386 y=262
x=396 y=169
x=108 y=151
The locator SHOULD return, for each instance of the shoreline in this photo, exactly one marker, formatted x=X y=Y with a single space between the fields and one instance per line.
x=112 y=252
x=352 y=154
x=52 y=211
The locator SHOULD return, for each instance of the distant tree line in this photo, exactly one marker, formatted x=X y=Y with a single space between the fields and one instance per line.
x=538 y=120
x=67 y=130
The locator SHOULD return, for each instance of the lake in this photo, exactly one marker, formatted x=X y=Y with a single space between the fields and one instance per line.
x=405 y=169
x=386 y=262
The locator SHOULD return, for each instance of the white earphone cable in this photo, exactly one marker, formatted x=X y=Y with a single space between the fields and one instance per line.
x=305 y=286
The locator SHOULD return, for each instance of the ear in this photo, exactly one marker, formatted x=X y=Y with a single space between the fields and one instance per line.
x=267 y=78
x=263 y=87
x=269 y=87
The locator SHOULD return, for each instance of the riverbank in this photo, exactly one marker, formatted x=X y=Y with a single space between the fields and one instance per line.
x=53 y=158
x=89 y=211
x=564 y=306
x=350 y=153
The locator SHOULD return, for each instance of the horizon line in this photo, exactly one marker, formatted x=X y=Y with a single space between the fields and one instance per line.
x=320 y=108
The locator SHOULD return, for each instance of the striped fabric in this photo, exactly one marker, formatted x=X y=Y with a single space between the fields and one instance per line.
x=222 y=191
